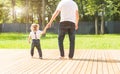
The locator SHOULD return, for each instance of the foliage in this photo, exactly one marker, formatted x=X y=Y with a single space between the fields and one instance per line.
x=32 y=10
x=50 y=8
x=4 y=11
x=89 y=8
x=113 y=9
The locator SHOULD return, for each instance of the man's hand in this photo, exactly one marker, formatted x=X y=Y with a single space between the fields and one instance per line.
x=48 y=25
x=76 y=27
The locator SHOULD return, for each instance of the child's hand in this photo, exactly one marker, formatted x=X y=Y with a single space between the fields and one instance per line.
x=29 y=42
x=43 y=32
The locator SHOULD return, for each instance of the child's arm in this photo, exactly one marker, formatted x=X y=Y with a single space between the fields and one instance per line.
x=44 y=31
x=29 y=38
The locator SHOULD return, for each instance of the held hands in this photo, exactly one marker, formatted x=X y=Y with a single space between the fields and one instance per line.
x=47 y=26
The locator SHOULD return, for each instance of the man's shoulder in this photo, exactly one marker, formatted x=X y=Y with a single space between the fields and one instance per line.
x=67 y=2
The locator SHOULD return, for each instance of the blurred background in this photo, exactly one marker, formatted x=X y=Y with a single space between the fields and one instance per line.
x=96 y=16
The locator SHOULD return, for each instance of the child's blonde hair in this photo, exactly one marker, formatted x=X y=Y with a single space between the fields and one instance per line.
x=34 y=27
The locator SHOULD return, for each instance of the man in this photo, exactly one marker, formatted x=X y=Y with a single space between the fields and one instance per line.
x=68 y=24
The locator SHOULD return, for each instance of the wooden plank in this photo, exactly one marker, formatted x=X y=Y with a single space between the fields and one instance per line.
x=73 y=68
x=80 y=54
x=51 y=67
x=33 y=68
x=110 y=67
x=39 y=68
x=9 y=58
x=105 y=66
x=116 y=57
x=80 y=65
x=99 y=64
x=45 y=62
x=25 y=66
x=69 y=67
x=68 y=62
x=94 y=67
x=114 y=62
x=14 y=66
x=118 y=64
x=86 y=61
x=21 y=66
x=56 y=70
x=90 y=63
x=69 y=70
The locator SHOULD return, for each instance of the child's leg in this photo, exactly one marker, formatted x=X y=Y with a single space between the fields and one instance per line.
x=39 y=49
x=32 y=49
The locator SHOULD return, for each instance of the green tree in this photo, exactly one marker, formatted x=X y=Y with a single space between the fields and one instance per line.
x=39 y=10
x=112 y=10
x=5 y=11
x=1 y=12
x=50 y=8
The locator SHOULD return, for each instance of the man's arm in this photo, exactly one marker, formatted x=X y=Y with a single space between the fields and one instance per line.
x=55 y=14
x=77 y=19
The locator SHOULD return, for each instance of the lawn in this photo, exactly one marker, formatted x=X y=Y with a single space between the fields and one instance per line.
x=19 y=41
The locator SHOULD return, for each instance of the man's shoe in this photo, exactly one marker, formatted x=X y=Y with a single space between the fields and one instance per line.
x=31 y=56
x=70 y=58
x=61 y=58
x=40 y=57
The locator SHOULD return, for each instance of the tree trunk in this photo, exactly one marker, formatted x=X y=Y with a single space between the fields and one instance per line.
x=102 y=23
x=82 y=9
x=43 y=16
x=39 y=12
x=27 y=15
x=96 y=23
x=13 y=11
x=43 y=13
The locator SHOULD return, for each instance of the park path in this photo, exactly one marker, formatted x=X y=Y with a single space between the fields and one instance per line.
x=84 y=62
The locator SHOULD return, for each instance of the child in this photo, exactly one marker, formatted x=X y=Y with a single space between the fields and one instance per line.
x=35 y=36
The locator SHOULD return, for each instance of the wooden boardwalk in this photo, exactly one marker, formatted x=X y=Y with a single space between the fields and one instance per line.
x=84 y=62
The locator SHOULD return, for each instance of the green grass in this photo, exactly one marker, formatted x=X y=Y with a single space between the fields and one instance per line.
x=19 y=41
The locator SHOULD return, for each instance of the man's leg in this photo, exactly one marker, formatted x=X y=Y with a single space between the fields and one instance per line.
x=60 y=40
x=71 y=33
